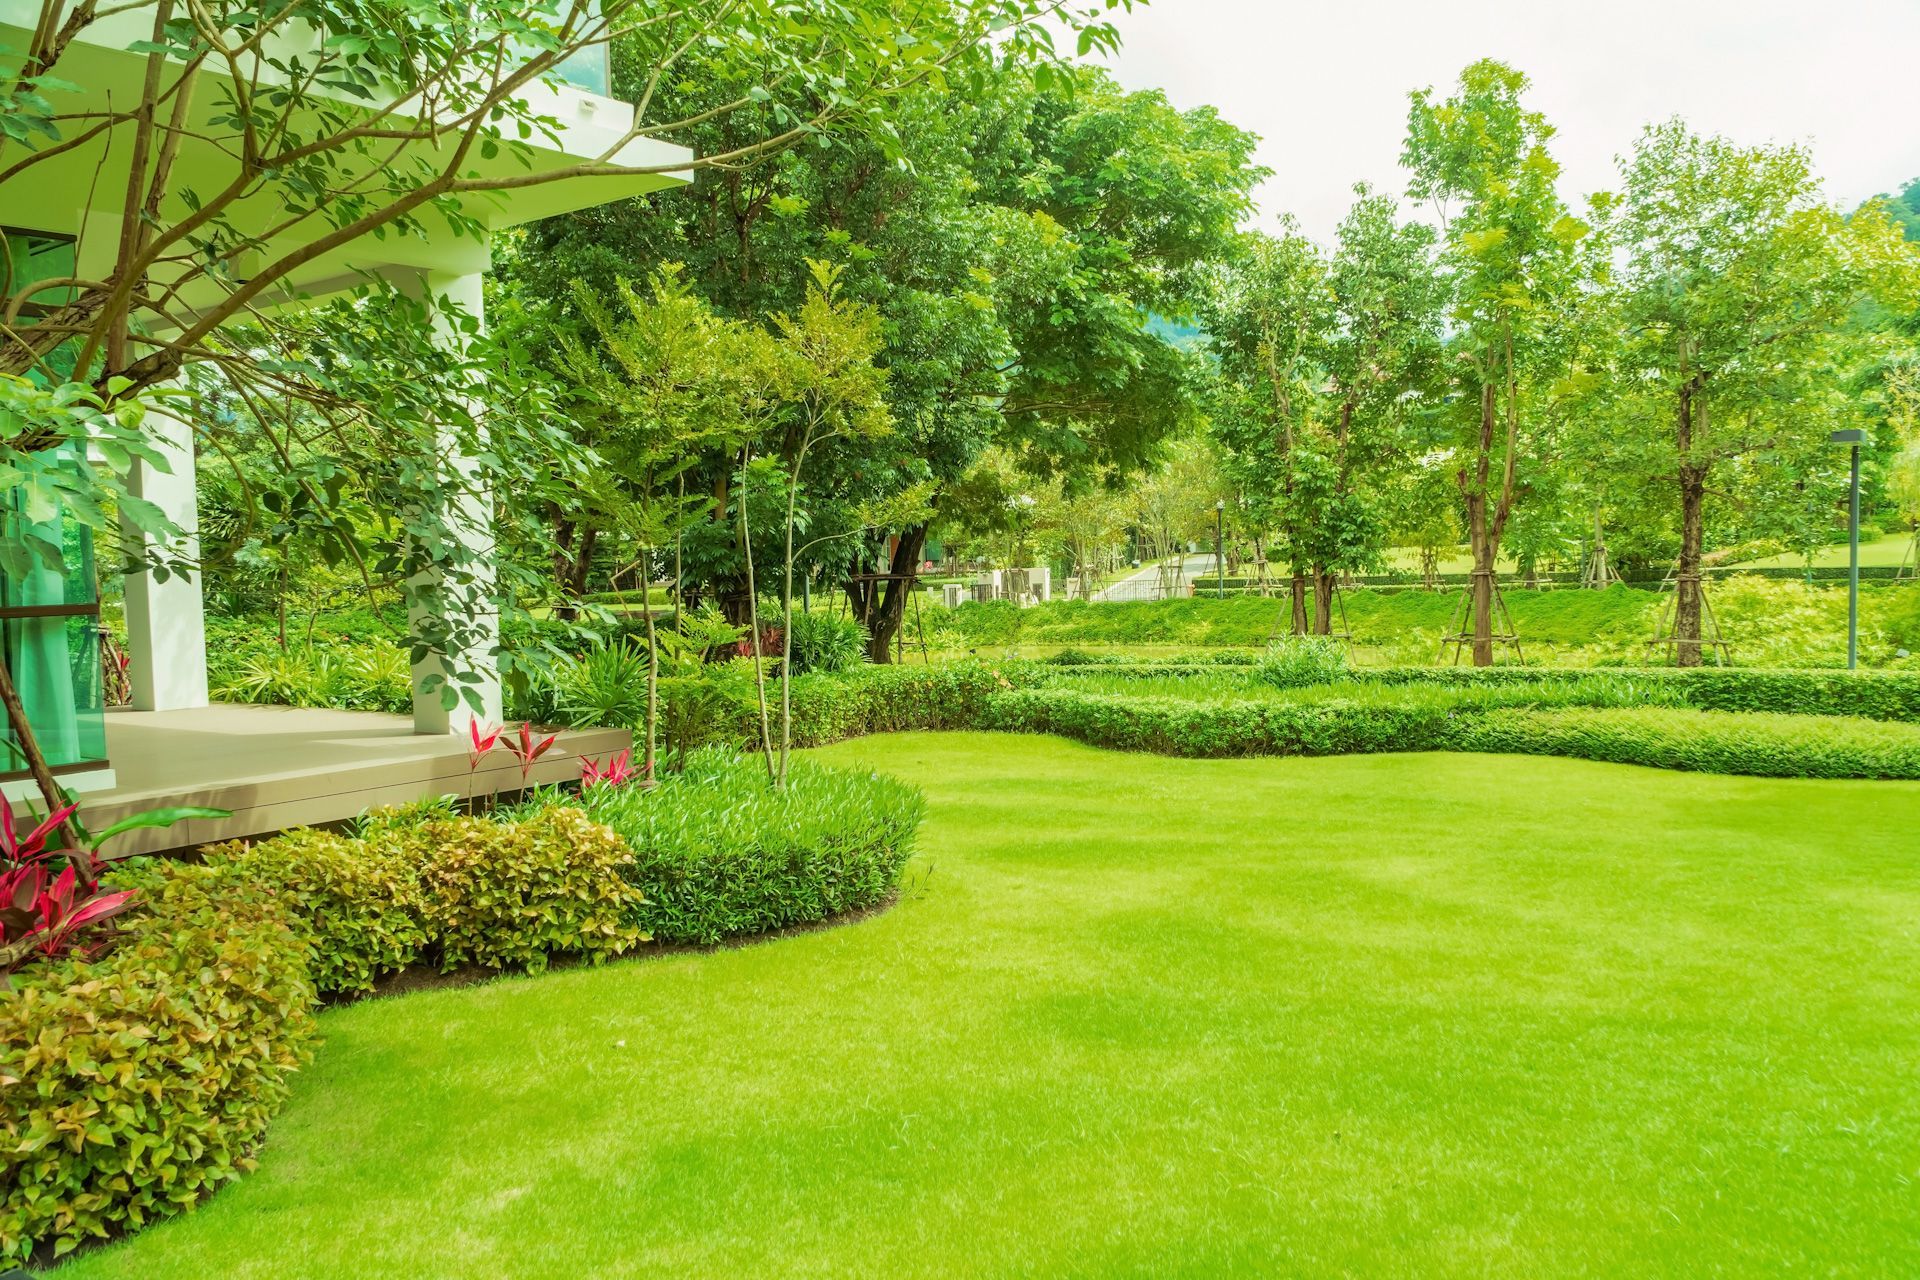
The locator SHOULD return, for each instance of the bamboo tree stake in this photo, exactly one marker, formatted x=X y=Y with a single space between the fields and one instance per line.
x=753 y=621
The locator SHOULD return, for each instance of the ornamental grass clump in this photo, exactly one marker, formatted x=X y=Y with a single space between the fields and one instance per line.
x=718 y=852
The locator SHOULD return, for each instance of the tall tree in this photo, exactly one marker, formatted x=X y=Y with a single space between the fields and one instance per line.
x=1267 y=319
x=1016 y=263
x=1509 y=248
x=1734 y=296
x=1323 y=353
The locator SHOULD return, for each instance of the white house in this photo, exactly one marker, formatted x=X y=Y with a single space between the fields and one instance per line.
x=62 y=218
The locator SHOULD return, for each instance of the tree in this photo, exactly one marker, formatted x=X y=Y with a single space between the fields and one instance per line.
x=1016 y=263
x=1325 y=354
x=663 y=379
x=1268 y=316
x=259 y=146
x=1734 y=296
x=1509 y=250
x=833 y=390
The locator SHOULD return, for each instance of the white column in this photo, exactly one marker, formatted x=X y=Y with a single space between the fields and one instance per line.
x=472 y=522
x=166 y=621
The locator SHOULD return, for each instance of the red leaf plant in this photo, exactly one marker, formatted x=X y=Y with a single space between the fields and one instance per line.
x=44 y=911
x=617 y=772
x=527 y=751
x=483 y=742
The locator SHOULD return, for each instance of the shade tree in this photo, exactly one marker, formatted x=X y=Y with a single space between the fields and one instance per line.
x=1734 y=296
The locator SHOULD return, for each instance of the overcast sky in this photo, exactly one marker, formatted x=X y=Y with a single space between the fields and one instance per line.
x=1325 y=82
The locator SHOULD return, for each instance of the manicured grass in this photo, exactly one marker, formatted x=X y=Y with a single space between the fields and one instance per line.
x=1891 y=550
x=1400 y=1015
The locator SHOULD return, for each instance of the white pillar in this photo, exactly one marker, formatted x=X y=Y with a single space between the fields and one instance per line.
x=472 y=521
x=166 y=621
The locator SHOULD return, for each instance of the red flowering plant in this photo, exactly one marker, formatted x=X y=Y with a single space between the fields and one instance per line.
x=480 y=744
x=51 y=899
x=618 y=771
x=527 y=751
x=48 y=896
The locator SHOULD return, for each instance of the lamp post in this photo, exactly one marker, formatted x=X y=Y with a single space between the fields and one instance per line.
x=1853 y=439
x=1220 y=546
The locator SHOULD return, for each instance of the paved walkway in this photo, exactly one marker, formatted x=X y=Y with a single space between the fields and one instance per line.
x=1144 y=583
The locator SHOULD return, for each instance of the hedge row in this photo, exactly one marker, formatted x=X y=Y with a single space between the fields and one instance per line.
x=719 y=854
x=1171 y=726
x=133 y=1085
x=1767 y=746
x=1829 y=714
x=1873 y=695
x=1204 y=584
x=1764 y=745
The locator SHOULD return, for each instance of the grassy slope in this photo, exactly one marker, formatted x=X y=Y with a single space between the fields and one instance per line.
x=1156 y=1017
x=1888 y=551
x=1553 y=617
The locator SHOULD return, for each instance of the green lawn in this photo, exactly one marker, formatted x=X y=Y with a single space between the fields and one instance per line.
x=1890 y=551
x=1374 y=1016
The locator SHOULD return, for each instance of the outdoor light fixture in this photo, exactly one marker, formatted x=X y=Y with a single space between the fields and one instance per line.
x=1853 y=438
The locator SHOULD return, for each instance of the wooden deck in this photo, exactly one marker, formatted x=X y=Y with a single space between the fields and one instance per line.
x=279 y=767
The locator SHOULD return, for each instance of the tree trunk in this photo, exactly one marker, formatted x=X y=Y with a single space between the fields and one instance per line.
x=1322 y=601
x=881 y=607
x=1486 y=554
x=29 y=748
x=1689 y=415
x=1687 y=594
x=1299 y=591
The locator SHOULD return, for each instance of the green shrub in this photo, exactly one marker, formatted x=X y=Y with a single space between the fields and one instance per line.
x=1772 y=746
x=1534 y=720
x=1250 y=727
x=358 y=901
x=825 y=643
x=133 y=1085
x=353 y=675
x=607 y=685
x=1299 y=661
x=510 y=894
x=1873 y=695
x=718 y=852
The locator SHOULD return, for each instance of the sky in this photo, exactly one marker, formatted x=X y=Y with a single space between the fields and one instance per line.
x=1325 y=82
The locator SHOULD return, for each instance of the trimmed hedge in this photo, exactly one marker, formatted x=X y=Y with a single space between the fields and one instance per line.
x=1873 y=695
x=1776 y=746
x=1256 y=727
x=359 y=903
x=509 y=894
x=1039 y=697
x=134 y=1085
x=1761 y=745
x=719 y=853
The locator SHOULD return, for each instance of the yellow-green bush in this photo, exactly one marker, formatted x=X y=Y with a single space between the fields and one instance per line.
x=133 y=1085
x=358 y=901
x=505 y=894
